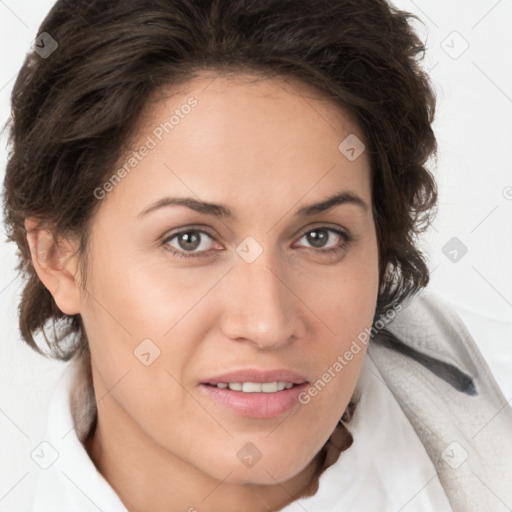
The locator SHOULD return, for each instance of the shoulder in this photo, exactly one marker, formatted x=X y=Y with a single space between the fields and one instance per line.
x=430 y=329
x=431 y=363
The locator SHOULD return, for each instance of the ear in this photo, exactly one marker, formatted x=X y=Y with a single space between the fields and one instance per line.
x=56 y=265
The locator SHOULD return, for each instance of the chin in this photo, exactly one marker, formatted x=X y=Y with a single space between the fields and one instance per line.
x=267 y=470
x=267 y=475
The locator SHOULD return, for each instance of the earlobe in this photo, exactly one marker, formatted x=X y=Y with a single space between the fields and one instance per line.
x=56 y=266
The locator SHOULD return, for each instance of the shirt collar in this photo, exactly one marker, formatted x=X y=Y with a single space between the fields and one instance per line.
x=68 y=479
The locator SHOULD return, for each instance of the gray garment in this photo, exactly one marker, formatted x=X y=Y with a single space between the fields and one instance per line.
x=433 y=367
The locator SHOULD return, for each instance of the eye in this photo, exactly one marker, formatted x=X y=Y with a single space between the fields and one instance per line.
x=328 y=240
x=195 y=242
x=189 y=241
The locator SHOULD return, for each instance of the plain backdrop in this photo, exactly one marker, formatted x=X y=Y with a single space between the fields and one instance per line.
x=469 y=55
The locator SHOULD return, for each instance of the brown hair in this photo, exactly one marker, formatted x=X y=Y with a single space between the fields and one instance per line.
x=73 y=114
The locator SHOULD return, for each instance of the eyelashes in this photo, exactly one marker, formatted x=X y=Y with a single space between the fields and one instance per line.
x=191 y=236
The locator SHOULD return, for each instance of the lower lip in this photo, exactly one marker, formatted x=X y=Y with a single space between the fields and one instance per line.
x=256 y=405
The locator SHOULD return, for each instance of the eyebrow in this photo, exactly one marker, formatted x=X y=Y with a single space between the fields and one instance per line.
x=218 y=210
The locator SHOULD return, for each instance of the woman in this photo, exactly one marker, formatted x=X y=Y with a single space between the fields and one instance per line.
x=216 y=203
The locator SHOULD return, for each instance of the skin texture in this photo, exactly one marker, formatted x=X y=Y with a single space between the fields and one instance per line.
x=264 y=148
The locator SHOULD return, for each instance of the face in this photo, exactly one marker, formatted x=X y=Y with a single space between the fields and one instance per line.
x=258 y=288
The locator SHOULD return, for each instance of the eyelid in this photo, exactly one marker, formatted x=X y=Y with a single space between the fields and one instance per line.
x=327 y=226
x=169 y=236
x=345 y=235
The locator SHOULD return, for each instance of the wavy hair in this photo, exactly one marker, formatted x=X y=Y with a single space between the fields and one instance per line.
x=73 y=115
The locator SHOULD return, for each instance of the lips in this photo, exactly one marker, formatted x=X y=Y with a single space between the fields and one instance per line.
x=255 y=387
x=257 y=376
x=256 y=393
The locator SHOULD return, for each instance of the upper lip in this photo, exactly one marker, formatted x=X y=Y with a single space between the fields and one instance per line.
x=255 y=375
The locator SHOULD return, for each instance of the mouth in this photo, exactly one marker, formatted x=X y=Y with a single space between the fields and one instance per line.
x=255 y=387
x=256 y=394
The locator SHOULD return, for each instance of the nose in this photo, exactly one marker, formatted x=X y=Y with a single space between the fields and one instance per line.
x=260 y=306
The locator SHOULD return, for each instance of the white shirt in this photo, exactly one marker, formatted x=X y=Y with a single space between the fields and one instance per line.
x=386 y=468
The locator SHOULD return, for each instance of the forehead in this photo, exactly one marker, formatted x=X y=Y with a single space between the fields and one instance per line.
x=256 y=103
x=242 y=138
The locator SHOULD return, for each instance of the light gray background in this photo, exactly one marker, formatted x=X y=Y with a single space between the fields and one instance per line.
x=474 y=173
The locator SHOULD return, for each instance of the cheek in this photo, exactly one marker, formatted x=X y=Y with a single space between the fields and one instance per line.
x=141 y=319
x=346 y=305
x=345 y=297
x=136 y=296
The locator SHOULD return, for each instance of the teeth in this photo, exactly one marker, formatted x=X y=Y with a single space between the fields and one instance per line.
x=255 y=387
x=268 y=387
